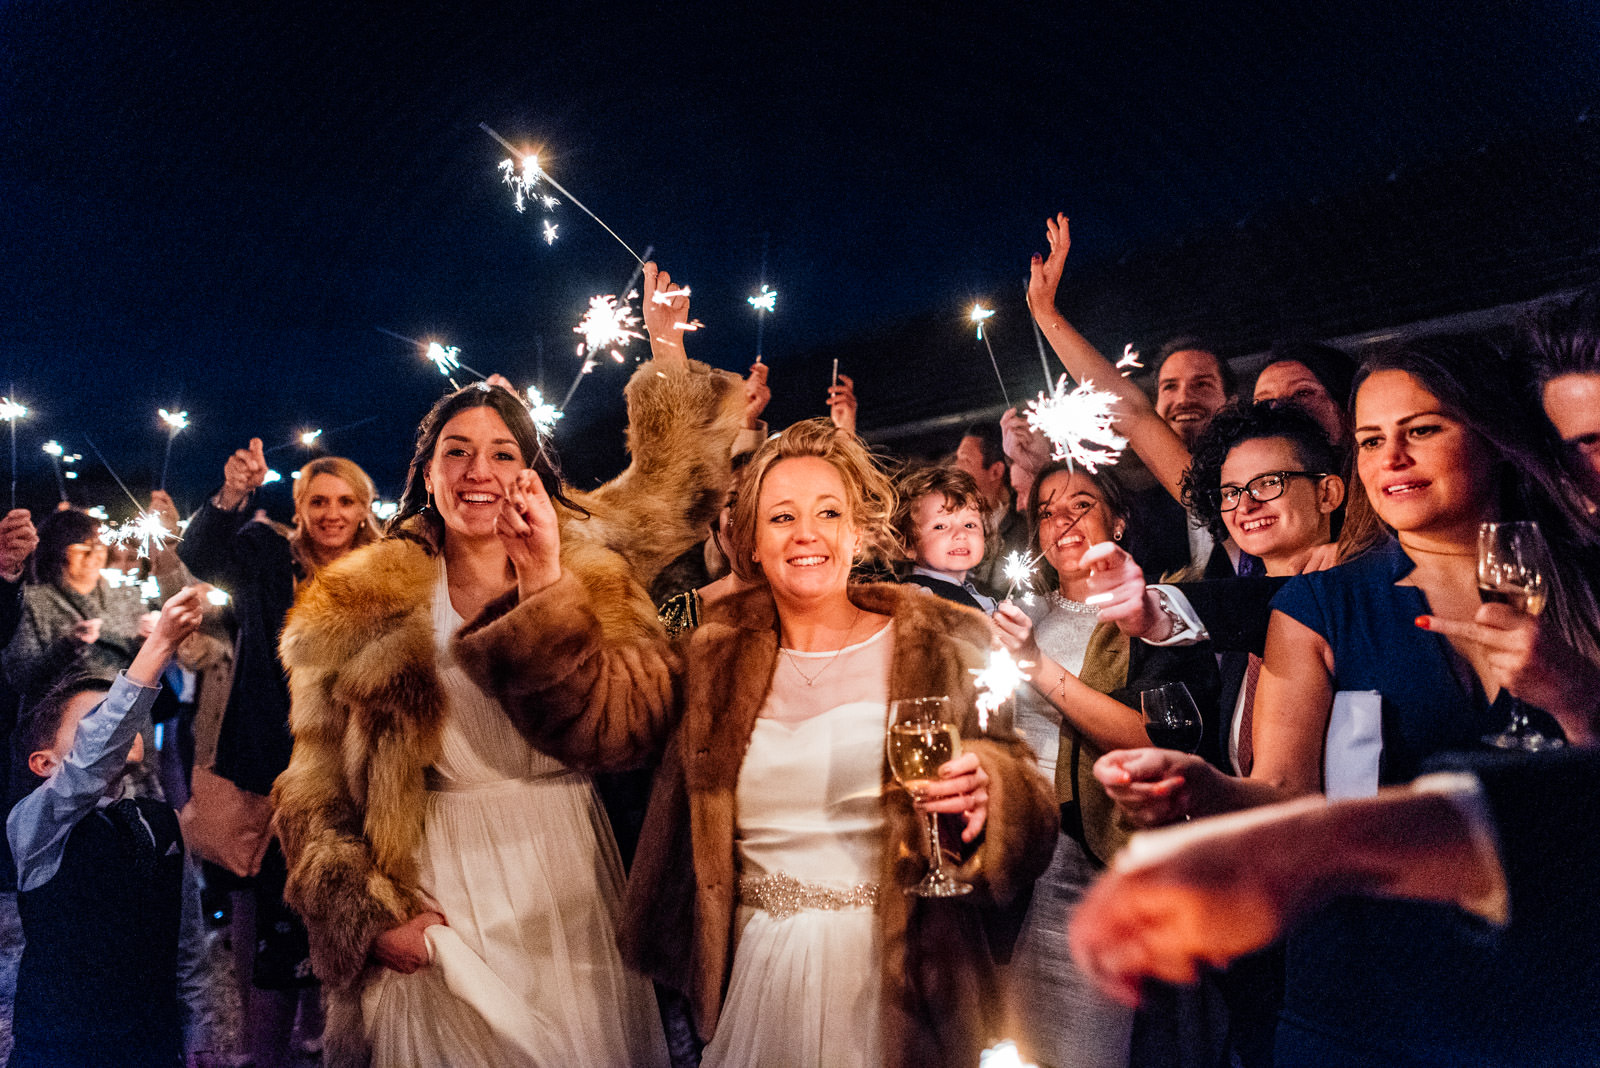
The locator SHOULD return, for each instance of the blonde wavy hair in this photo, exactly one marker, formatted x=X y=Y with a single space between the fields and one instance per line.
x=869 y=494
x=359 y=482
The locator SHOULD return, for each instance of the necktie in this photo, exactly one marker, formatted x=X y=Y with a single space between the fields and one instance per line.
x=1247 y=748
x=124 y=815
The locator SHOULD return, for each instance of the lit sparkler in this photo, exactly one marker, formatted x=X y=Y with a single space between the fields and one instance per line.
x=764 y=301
x=309 y=437
x=1002 y=1055
x=543 y=413
x=217 y=597
x=175 y=421
x=11 y=411
x=1018 y=569
x=996 y=683
x=1080 y=424
x=524 y=173
x=444 y=358
x=550 y=232
x=979 y=315
x=148 y=531
x=272 y=475
x=54 y=450
x=1130 y=360
x=608 y=325
x=384 y=510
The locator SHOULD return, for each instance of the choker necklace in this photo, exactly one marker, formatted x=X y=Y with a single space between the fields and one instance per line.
x=811 y=680
x=1067 y=604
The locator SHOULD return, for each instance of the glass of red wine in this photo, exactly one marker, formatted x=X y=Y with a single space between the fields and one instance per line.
x=1170 y=717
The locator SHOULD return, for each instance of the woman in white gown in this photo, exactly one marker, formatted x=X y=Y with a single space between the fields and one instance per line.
x=770 y=880
x=461 y=888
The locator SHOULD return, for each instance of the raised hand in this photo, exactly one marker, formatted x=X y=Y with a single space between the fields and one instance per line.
x=842 y=404
x=756 y=395
x=1153 y=786
x=528 y=529
x=665 y=319
x=245 y=470
x=1116 y=581
x=1014 y=630
x=504 y=383
x=1044 y=272
x=18 y=539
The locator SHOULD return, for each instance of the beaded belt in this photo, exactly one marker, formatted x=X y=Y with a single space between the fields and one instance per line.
x=784 y=895
x=438 y=784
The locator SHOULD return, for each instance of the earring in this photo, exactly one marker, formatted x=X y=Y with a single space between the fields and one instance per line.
x=1116 y=535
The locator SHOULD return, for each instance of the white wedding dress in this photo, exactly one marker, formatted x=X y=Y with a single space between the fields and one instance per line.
x=519 y=858
x=804 y=992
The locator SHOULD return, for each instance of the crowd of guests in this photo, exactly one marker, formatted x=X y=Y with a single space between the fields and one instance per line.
x=386 y=750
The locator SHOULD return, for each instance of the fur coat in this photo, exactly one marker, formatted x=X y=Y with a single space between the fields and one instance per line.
x=598 y=705
x=366 y=704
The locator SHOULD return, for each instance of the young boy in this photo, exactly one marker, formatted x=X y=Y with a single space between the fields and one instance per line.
x=940 y=518
x=99 y=879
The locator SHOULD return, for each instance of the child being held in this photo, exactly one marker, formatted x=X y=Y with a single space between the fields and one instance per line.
x=99 y=878
x=940 y=519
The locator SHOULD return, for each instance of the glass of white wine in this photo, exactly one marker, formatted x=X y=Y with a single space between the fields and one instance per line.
x=1513 y=569
x=923 y=736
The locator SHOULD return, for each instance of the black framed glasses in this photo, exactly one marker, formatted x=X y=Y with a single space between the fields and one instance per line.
x=1267 y=487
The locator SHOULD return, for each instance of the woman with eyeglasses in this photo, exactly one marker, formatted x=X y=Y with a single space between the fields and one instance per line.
x=1443 y=444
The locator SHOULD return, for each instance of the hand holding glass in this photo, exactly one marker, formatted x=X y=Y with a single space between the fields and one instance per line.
x=1513 y=565
x=922 y=738
x=1170 y=717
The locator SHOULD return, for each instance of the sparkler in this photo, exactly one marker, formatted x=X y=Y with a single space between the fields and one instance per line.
x=54 y=450
x=446 y=359
x=1038 y=339
x=217 y=597
x=543 y=413
x=1002 y=1055
x=996 y=683
x=11 y=411
x=175 y=422
x=764 y=301
x=1130 y=360
x=272 y=475
x=608 y=324
x=550 y=232
x=530 y=174
x=384 y=510
x=309 y=437
x=978 y=315
x=1080 y=424
x=588 y=364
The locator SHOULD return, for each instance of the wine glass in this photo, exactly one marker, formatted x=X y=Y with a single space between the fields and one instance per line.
x=1170 y=717
x=1513 y=563
x=922 y=736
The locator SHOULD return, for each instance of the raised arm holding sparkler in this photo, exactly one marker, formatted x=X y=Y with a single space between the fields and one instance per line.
x=842 y=403
x=1162 y=451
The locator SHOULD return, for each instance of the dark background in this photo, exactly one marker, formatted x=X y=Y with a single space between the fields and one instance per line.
x=213 y=206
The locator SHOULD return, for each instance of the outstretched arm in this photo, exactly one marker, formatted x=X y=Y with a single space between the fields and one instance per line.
x=1162 y=451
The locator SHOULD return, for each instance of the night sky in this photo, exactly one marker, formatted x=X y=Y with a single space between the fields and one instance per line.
x=214 y=210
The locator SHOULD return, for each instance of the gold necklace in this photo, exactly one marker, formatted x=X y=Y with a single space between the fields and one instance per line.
x=811 y=680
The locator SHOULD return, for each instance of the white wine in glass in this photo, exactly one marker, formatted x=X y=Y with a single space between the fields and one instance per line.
x=1513 y=569
x=922 y=737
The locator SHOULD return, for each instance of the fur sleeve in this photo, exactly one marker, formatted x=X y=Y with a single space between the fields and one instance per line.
x=1020 y=834
x=681 y=425
x=588 y=700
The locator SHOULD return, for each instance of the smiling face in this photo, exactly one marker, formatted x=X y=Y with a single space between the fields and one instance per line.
x=1189 y=391
x=331 y=514
x=1291 y=382
x=805 y=541
x=1285 y=526
x=945 y=540
x=1425 y=472
x=1073 y=515
x=475 y=460
x=1572 y=402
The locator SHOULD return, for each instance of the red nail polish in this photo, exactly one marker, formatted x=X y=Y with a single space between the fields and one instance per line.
x=1422 y=621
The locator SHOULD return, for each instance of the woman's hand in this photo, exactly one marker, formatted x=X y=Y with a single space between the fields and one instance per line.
x=245 y=470
x=1026 y=448
x=1044 y=273
x=1015 y=632
x=1530 y=660
x=962 y=788
x=528 y=530
x=1117 y=587
x=1154 y=786
x=403 y=949
x=147 y=623
x=842 y=404
x=756 y=395
x=18 y=539
x=666 y=315
x=87 y=631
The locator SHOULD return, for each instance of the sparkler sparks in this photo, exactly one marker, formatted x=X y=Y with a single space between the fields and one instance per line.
x=444 y=358
x=523 y=174
x=521 y=181
x=1002 y=1055
x=1018 y=569
x=11 y=411
x=996 y=683
x=217 y=597
x=1130 y=360
x=175 y=421
x=1080 y=424
x=543 y=413
x=550 y=232
x=607 y=325
x=764 y=301
x=54 y=449
x=384 y=510
x=272 y=476
x=978 y=315
x=309 y=437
